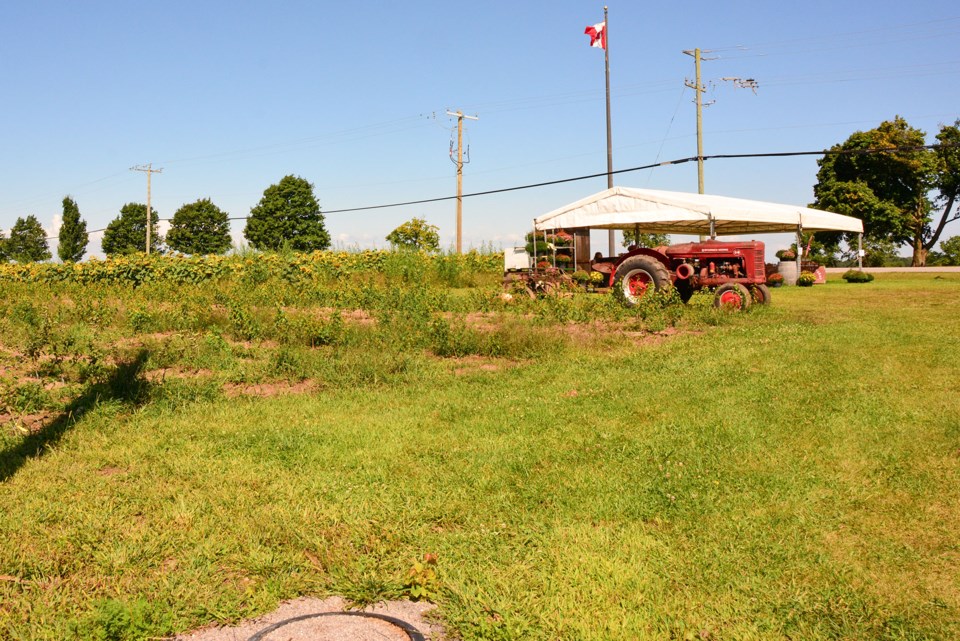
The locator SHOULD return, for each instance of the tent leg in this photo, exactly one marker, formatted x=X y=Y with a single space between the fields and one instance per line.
x=860 y=251
x=799 y=249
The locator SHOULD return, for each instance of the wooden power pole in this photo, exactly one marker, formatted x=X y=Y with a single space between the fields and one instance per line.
x=459 y=163
x=699 y=90
x=149 y=170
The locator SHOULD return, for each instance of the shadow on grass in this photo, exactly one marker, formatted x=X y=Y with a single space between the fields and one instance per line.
x=125 y=384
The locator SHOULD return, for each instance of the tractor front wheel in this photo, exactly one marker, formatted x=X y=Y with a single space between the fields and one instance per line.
x=638 y=275
x=732 y=296
x=760 y=294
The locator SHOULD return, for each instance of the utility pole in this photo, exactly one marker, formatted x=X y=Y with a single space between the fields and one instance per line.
x=699 y=90
x=459 y=163
x=149 y=170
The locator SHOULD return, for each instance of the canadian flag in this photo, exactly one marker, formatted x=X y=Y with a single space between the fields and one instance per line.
x=598 y=35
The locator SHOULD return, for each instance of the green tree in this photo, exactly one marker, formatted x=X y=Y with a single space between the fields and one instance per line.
x=287 y=215
x=415 y=234
x=28 y=241
x=951 y=250
x=127 y=233
x=630 y=237
x=73 y=233
x=880 y=253
x=948 y=177
x=814 y=249
x=199 y=228
x=891 y=192
x=3 y=248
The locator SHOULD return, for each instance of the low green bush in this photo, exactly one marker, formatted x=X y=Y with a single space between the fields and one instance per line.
x=857 y=276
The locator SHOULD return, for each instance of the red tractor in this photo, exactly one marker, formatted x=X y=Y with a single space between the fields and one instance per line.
x=733 y=270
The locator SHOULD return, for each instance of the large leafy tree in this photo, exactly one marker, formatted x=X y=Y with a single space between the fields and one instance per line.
x=287 y=215
x=73 y=233
x=948 y=177
x=892 y=192
x=416 y=233
x=28 y=241
x=199 y=228
x=3 y=248
x=951 y=250
x=127 y=233
x=631 y=237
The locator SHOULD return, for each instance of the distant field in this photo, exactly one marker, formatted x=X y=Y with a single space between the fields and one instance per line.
x=177 y=455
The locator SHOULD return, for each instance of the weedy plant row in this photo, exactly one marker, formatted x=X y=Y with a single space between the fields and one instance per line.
x=331 y=318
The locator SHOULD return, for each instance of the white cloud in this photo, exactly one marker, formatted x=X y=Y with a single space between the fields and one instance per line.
x=53 y=229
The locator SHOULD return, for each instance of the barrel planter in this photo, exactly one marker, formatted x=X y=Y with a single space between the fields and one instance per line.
x=788 y=269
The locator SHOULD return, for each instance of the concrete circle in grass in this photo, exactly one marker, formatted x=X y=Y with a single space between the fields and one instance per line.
x=288 y=626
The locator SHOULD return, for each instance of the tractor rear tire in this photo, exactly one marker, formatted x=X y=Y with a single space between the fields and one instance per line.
x=760 y=294
x=636 y=275
x=732 y=296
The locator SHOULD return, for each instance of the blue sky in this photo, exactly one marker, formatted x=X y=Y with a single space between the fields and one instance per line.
x=228 y=97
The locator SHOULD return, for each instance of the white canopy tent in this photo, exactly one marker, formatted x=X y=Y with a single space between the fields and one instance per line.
x=674 y=212
x=650 y=211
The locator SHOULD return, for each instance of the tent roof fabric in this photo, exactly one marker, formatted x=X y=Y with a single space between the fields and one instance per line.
x=674 y=212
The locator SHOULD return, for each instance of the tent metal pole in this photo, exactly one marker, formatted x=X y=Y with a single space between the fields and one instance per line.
x=533 y=237
x=799 y=249
x=860 y=251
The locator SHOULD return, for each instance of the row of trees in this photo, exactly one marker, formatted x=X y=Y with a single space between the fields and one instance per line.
x=905 y=195
x=288 y=215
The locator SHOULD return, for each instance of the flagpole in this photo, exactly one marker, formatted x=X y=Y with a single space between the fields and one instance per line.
x=606 y=63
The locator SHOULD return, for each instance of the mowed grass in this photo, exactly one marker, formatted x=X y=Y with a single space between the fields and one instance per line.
x=793 y=473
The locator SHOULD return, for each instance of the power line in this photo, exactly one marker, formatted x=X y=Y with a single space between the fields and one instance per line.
x=898 y=33
x=665 y=163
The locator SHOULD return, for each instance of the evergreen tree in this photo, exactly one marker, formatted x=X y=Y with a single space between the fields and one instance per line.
x=199 y=228
x=73 y=233
x=28 y=241
x=288 y=213
x=127 y=233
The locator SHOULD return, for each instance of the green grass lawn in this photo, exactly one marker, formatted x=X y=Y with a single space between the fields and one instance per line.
x=789 y=473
